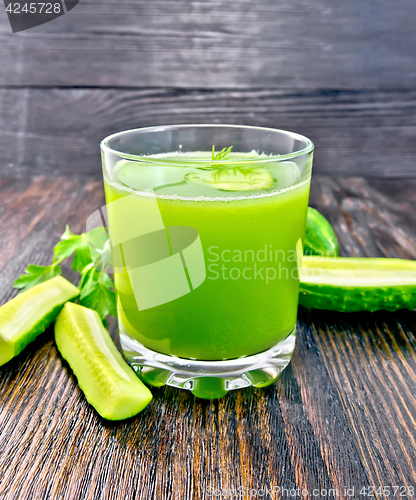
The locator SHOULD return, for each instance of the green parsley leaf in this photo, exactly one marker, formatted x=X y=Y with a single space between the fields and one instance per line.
x=82 y=256
x=98 y=296
x=88 y=273
x=76 y=244
x=66 y=246
x=36 y=274
x=98 y=240
x=96 y=286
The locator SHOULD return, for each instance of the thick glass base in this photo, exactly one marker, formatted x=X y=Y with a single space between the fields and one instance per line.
x=208 y=379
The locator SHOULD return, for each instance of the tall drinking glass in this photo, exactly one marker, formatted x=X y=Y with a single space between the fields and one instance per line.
x=206 y=225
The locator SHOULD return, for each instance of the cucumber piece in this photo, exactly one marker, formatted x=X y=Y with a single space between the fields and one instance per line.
x=27 y=315
x=107 y=381
x=350 y=284
x=320 y=238
x=233 y=179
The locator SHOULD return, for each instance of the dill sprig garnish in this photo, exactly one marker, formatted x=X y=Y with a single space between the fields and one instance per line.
x=219 y=168
x=222 y=154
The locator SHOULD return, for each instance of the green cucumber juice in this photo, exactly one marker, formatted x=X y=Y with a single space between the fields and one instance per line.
x=251 y=223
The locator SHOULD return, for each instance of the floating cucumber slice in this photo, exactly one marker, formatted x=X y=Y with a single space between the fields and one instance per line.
x=320 y=238
x=28 y=314
x=350 y=284
x=233 y=179
x=143 y=177
x=108 y=383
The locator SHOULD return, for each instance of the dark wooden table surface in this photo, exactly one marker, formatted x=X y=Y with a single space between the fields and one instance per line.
x=343 y=414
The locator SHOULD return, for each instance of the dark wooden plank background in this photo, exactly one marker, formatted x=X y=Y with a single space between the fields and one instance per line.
x=342 y=415
x=343 y=73
x=214 y=44
x=58 y=131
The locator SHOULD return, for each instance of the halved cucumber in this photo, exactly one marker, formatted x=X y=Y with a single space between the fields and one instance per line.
x=320 y=238
x=108 y=383
x=28 y=314
x=350 y=284
x=233 y=179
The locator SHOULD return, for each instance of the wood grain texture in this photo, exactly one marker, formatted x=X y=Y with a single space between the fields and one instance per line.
x=342 y=415
x=216 y=44
x=58 y=131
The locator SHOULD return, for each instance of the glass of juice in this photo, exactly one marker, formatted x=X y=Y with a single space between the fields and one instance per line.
x=206 y=225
